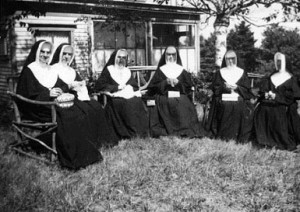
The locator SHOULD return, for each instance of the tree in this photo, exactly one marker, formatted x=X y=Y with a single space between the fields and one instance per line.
x=207 y=53
x=241 y=40
x=278 y=39
x=223 y=10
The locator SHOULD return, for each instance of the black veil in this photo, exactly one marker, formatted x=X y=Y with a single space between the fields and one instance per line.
x=32 y=55
x=56 y=55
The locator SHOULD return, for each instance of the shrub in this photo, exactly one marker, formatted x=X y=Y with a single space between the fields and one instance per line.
x=202 y=82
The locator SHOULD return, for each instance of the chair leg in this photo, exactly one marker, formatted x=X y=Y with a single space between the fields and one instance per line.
x=24 y=138
x=53 y=156
x=31 y=156
x=35 y=139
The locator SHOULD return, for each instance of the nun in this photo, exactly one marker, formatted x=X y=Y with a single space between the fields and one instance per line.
x=75 y=147
x=99 y=126
x=231 y=112
x=174 y=112
x=278 y=94
x=125 y=108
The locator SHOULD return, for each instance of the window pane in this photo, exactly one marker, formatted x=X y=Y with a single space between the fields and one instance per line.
x=164 y=35
x=3 y=46
x=120 y=35
x=104 y=35
x=140 y=36
x=56 y=37
x=130 y=36
x=177 y=35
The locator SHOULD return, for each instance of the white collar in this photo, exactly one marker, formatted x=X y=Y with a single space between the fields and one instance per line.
x=171 y=70
x=232 y=75
x=120 y=76
x=65 y=72
x=44 y=74
x=279 y=78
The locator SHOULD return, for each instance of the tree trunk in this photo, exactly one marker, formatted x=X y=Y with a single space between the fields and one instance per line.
x=221 y=31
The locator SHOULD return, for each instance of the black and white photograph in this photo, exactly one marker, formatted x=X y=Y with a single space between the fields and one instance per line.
x=150 y=105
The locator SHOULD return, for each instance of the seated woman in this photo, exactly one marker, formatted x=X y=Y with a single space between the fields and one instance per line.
x=277 y=94
x=98 y=124
x=75 y=146
x=231 y=113
x=124 y=106
x=174 y=112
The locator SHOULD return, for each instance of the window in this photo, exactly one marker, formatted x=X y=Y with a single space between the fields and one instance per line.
x=3 y=46
x=173 y=34
x=55 y=33
x=119 y=35
x=55 y=37
x=116 y=35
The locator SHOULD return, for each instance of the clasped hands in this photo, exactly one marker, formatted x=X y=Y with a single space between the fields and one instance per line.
x=172 y=81
x=231 y=87
x=270 y=95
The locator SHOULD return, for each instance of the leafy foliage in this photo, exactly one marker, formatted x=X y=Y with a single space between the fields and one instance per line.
x=278 y=39
x=225 y=9
x=242 y=41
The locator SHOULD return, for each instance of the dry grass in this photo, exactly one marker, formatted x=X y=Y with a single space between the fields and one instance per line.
x=161 y=175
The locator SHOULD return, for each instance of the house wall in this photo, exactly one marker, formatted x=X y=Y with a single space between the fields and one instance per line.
x=5 y=70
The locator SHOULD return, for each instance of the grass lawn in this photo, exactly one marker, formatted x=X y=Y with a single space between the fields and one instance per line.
x=166 y=174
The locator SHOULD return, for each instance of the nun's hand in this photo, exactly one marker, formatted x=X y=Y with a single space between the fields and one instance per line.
x=55 y=92
x=272 y=95
x=121 y=87
x=175 y=81
x=172 y=81
x=168 y=81
x=231 y=87
x=143 y=92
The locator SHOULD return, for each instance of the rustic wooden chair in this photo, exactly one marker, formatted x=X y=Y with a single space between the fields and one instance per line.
x=28 y=130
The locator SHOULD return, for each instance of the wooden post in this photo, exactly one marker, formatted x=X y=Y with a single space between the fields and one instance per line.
x=149 y=42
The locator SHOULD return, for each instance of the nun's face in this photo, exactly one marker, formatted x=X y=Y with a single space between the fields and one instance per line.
x=121 y=59
x=230 y=59
x=45 y=53
x=67 y=55
x=171 y=56
x=278 y=64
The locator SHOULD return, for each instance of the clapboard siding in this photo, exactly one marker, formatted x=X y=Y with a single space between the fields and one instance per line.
x=5 y=71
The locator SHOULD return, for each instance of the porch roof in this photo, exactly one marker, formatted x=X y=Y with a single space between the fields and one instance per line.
x=98 y=7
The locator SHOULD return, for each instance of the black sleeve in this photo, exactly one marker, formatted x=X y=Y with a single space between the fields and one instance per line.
x=106 y=83
x=29 y=87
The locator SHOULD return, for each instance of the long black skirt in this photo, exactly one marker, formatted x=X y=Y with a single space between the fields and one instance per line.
x=77 y=144
x=129 y=117
x=234 y=120
x=271 y=124
x=174 y=116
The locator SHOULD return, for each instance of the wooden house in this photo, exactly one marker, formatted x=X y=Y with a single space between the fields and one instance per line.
x=83 y=23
